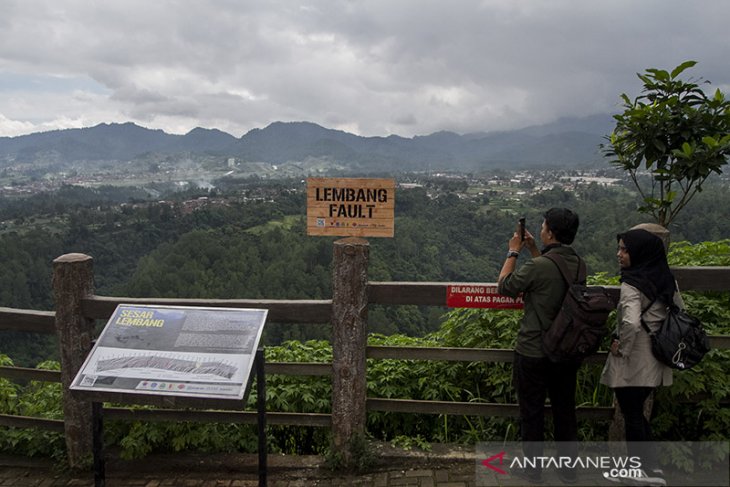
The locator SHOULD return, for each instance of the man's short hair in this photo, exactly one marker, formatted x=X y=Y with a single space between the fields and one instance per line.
x=563 y=223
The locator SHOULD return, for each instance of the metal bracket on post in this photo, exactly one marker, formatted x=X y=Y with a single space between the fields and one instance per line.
x=261 y=409
x=97 y=420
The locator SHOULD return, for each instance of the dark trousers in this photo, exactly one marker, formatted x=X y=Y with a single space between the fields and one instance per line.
x=536 y=380
x=638 y=430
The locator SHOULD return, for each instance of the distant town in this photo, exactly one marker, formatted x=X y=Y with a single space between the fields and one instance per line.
x=169 y=174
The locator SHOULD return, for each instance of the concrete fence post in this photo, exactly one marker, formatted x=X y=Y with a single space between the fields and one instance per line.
x=349 y=339
x=73 y=279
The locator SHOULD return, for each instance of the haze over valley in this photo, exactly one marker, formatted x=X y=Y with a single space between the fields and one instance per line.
x=130 y=155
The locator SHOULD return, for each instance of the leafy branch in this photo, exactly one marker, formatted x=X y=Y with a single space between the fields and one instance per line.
x=675 y=133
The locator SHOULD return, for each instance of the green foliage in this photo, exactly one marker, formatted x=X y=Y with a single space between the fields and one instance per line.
x=445 y=381
x=137 y=439
x=283 y=393
x=32 y=443
x=36 y=399
x=675 y=132
x=154 y=251
x=475 y=328
x=411 y=379
x=302 y=394
x=222 y=263
x=8 y=389
x=478 y=328
x=409 y=442
x=708 y=381
x=42 y=399
x=676 y=418
x=712 y=308
x=701 y=254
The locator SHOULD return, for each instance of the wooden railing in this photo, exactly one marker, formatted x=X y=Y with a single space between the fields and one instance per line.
x=78 y=306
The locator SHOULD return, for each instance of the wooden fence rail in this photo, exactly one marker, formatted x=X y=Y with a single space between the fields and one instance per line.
x=347 y=311
x=27 y=320
x=280 y=311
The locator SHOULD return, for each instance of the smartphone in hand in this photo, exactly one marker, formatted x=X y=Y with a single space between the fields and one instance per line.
x=522 y=228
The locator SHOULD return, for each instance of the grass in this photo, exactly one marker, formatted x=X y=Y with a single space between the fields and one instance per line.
x=284 y=223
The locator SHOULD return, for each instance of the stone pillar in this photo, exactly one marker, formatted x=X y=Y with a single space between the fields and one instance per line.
x=349 y=339
x=73 y=279
x=657 y=230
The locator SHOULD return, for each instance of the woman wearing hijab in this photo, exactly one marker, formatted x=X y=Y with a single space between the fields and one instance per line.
x=647 y=288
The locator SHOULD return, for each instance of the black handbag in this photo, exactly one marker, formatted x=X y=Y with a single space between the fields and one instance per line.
x=681 y=342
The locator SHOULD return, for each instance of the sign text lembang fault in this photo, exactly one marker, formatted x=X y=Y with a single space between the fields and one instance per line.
x=355 y=207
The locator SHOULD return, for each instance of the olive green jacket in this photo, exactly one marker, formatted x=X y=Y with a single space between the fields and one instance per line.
x=543 y=291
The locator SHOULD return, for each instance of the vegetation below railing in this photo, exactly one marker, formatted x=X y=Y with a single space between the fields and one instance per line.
x=483 y=383
x=427 y=380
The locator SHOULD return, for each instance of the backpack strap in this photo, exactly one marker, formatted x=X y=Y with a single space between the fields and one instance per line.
x=563 y=268
x=641 y=317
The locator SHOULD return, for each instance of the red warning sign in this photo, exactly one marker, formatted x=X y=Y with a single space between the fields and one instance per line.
x=480 y=296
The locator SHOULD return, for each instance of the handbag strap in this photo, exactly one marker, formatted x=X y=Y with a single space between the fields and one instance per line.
x=563 y=268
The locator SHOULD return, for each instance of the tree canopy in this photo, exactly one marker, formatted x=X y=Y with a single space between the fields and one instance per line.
x=674 y=132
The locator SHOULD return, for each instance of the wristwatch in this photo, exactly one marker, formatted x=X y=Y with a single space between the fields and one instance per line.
x=512 y=253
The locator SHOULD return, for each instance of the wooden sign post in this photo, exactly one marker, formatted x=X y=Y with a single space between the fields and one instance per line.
x=350 y=207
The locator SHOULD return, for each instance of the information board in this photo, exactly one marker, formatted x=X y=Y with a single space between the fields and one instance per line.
x=480 y=296
x=174 y=350
x=350 y=207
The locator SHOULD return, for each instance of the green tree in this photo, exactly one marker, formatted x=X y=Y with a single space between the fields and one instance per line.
x=677 y=134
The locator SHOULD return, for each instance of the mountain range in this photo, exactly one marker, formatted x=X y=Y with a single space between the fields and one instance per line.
x=565 y=142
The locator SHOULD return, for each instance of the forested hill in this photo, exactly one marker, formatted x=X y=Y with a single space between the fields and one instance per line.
x=566 y=142
x=248 y=241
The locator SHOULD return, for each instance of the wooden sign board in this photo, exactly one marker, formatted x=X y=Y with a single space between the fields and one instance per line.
x=350 y=207
x=480 y=296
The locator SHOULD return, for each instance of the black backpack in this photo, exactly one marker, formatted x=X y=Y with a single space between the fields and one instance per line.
x=681 y=342
x=579 y=327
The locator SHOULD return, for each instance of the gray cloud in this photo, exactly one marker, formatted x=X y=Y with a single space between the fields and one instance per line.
x=378 y=67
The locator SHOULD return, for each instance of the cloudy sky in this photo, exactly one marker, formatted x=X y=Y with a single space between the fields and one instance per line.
x=370 y=67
